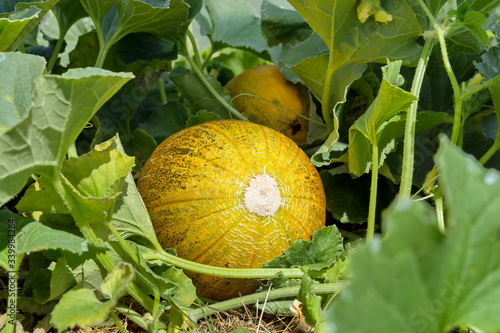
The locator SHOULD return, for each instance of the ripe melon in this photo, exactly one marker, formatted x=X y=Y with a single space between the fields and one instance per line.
x=266 y=97
x=231 y=193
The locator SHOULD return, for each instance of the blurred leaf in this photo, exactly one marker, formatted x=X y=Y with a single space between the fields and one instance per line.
x=413 y=280
x=201 y=117
x=146 y=47
x=61 y=107
x=132 y=16
x=197 y=93
x=490 y=64
x=18 y=72
x=235 y=23
x=346 y=198
x=281 y=25
x=165 y=121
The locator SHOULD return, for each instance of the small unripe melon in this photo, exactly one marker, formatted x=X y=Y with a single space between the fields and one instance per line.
x=266 y=97
x=233 y=194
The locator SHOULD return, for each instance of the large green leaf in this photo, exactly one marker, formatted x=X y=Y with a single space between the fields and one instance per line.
x=16 y=26
x=18 y=72
x=373 y=127
x=81 y=307
x=130 y=16
x=350 y=40
x=417 y=279
x=61 y=107
x=67 y=13
x=235 y=23
x=32 y=236
x=12 y=25
x=351 y=43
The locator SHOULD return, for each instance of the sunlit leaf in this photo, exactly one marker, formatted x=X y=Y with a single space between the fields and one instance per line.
x=61 y=107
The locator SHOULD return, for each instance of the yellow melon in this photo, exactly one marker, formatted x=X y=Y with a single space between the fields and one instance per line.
x=231 y=193
x=266 y=97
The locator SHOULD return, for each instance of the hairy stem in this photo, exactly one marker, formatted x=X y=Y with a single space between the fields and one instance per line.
x=411 y=120
x=372 y=209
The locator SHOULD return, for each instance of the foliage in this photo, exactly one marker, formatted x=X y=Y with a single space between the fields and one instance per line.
x=89 y=88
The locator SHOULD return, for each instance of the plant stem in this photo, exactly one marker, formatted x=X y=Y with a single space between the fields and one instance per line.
x=411 y=120
x=323 y=288
x=440 y=212
x=103 y=51
x=161 y=90
x=373 y=195
x=245 y=273
x=493 y=149
x=473 y=90
x=194 y=45
x=57 y=50
x=326 y=107
x=117 y=322
x=214 y=93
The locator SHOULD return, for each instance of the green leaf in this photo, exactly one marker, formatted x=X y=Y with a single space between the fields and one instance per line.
x=346 y=198
x=58 y=280
x=490 y=64
x=132 y=16
x=166 y=120
x=311 y=309
x=12 y=25
x=61 y=107
x=67 y=13
x=372 y=127
x=116 y=282
x=10 y=224
x=130 y=216
x=325 y=248
x=198 y=94
x=201 y=117
x=467 y=35
x=18 y=72
x=93 y=181
x=82 y=308
x=37 y=237
x=283 y=25
x=351 y=41
x=17 y=26
x=417 y=279
x=235 y=23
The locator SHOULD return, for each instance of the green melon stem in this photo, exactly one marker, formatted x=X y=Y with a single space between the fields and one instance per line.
x=319 y=289
x=240 y=273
